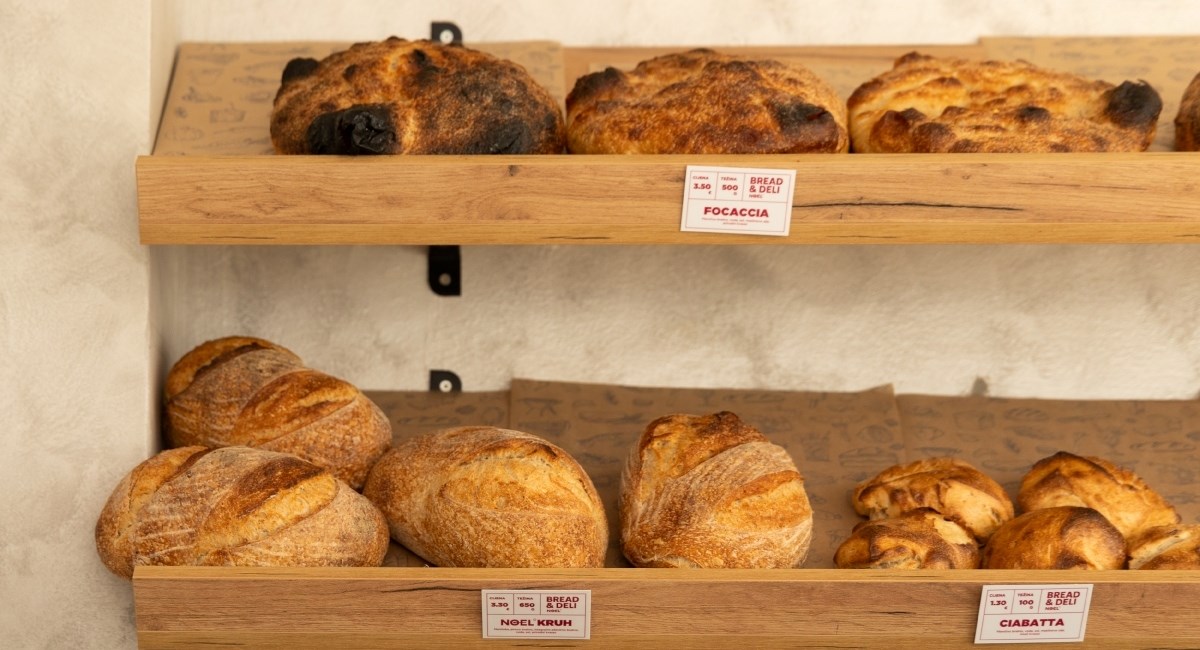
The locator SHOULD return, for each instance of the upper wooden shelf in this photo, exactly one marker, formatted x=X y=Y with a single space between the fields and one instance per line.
x=213 y=180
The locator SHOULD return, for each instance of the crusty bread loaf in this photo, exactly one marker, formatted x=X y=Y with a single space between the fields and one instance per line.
x=1124 y=499
x=251 y=392
x=413 y=97
x=1187 y=120
x=489 y=497
x=712 y=492
x=703 y=102
x=1167 y=547
x=916 y=539
x=236 y=506
x=1062 y=537
x=952 y=487
x=927 y=104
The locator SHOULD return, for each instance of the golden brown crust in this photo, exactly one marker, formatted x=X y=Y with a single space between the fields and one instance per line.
x=236 y=506
x=1063 y=537
x=949 y=486
x=711 y=491
x=115 y=526
x=917 y=539
x=945 y=105
x=1167 y=547
x=246 y=391
x=702 y=102
x=1187 y=120
x=461 y=497
x=1065 y=479
x=413 y=97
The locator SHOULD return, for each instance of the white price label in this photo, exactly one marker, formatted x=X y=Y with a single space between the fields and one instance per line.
x=738 y=200
x=1033 y=613
x=522 y=613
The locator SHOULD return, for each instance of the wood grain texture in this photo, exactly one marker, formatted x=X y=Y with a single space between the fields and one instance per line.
x=773 y=608
x=859 y=198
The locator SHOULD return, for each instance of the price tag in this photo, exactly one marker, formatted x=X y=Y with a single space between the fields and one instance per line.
x=738 y=200
x=552 y=614
x=1032 y=613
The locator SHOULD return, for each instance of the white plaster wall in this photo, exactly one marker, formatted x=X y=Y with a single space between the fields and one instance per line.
x=79 y=348
x=75 y=407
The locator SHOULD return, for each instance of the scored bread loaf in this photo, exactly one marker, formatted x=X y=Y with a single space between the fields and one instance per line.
x=1062 y=537
x=917 y=539
x=236 y=506
x=1124 y=499
x=712 y=492
x=489 y=497
x=251 y=392
x=952 y=487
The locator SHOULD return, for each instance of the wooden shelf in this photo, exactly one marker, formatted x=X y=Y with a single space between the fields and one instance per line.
x=1098 y=198
x=212 y=179
x=181 y=607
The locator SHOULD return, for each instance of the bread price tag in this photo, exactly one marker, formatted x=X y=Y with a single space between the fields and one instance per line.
x=738 y=200
x=1032 y=613
x=523 y=613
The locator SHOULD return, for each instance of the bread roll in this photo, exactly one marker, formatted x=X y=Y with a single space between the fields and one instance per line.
x=917 y=539
x=1065 y=479
x=710 y=491
x=250 y=392
x=1187 y=120
x=949 y=486
x=488 y=497
x=1167 y=547
x=1062 y=537
x=236 y=506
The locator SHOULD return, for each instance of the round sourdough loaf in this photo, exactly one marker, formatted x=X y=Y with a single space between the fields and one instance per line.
x=712 y=492
x=251 y=392
x=488 y=497
x=236 y=506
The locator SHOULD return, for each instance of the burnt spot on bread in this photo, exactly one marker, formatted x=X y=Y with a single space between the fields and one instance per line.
x=1030 y=114
x=791 y=116
x=298 y=68
x=1133 y=105
x=348 y=73
x=594 y=84
x=427 y=72
x=364 y=129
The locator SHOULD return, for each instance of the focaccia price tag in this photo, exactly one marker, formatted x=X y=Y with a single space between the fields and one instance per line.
x=543 y=614
x=738 y=200
x=1032 y=613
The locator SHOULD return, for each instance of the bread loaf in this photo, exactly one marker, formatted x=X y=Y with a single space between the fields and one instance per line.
x=489 y=497
x=710 y=491
x=949 y=486
x=251 y=392
x=1124 y=499
x=1167 y=547
x=1063 y=537
x=1187 y=120
x=917 y=539
x=236 y=506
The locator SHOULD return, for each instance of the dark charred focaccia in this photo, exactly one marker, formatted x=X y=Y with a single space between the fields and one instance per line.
x=942 y=105
x=413 y=97
x=702 y=102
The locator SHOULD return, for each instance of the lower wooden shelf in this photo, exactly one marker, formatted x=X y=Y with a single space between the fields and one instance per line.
x=440 y=607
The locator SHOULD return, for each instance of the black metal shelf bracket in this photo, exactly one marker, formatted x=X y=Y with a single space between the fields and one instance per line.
x=444 y=381
x=445 y=32
x=445 y=270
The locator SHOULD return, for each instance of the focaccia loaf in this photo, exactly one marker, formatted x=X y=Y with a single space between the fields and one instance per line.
x=949 y=486
x=248 y=391
x=712 y=492
x=489 y=497
x=702 y=102
x=413 y=97
x=946 y=105
x=236 y=506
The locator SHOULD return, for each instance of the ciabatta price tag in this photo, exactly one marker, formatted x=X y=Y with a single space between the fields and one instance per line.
x=1032 y=613
x=523 y=613
x=738 y=200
